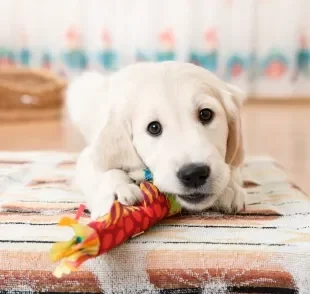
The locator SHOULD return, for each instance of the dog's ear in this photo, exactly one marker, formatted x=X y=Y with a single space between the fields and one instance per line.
x=233 y=99
x=113 y=148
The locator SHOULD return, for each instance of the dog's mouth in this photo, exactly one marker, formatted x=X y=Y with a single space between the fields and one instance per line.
x=194 y=198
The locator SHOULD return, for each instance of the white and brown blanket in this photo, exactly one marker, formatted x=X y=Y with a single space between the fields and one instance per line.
x=265 y=249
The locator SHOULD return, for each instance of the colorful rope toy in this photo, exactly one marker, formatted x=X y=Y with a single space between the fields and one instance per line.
x=120 y=224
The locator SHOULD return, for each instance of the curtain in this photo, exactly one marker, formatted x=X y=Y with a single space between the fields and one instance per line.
x=260 y=45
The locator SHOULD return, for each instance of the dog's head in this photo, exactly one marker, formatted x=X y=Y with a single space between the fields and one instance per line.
x=180 y=121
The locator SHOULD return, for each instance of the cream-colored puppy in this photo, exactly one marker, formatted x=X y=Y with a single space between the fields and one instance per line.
x=177 y=119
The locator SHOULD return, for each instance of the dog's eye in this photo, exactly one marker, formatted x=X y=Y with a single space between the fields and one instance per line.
x=154 y=128
x=206 y=115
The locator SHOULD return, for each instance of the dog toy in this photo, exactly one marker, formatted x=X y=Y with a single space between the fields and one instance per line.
x=120 y=224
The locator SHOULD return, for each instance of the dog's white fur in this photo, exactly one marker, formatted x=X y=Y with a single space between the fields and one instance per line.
x=113 y=113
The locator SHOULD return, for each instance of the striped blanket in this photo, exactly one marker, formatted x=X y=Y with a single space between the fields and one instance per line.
x=265 y=249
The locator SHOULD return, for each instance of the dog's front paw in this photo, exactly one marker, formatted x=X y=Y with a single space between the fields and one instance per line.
x=101 y=203
x=232 y=200
x=127 y=194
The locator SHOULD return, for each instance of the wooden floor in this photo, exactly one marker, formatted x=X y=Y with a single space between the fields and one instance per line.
x=282 y=131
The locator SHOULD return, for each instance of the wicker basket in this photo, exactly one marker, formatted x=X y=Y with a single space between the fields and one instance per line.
x=30 y=94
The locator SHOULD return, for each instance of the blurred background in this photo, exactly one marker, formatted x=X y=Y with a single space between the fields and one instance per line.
x=263 y=46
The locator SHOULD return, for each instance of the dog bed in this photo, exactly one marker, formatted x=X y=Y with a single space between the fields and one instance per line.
x=265 y=249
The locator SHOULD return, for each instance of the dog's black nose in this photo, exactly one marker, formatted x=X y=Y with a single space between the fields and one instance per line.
x=193 y=175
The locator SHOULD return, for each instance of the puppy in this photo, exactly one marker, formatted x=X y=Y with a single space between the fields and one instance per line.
x=177 y=119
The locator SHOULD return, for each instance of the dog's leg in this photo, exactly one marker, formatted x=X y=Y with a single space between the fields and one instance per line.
x=101 y=188
x=232 y=200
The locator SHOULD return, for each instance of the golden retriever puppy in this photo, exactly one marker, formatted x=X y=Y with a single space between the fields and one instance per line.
x=177 y=119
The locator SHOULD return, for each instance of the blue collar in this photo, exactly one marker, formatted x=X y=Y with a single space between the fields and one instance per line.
x=148 y=176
